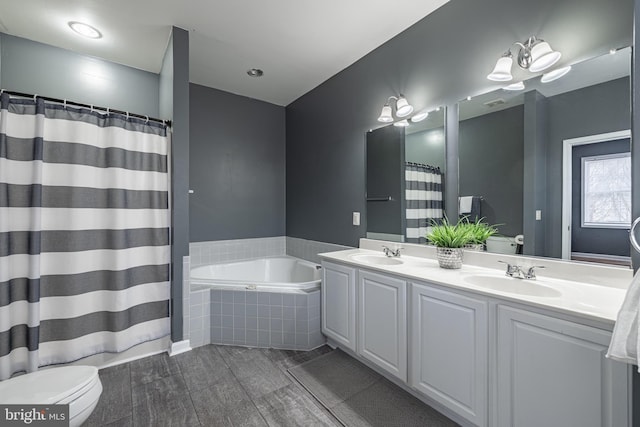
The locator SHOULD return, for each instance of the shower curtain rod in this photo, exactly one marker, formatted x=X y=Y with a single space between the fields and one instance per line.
x=92 y=107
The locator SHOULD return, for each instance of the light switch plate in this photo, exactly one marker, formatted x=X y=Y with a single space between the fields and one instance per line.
x=356 y=218
x=538 y=215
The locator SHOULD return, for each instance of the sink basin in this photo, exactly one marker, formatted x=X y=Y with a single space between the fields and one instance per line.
x=376 y=259
x=513 y=286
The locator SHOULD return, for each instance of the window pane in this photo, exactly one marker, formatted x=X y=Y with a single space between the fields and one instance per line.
x=607 y=190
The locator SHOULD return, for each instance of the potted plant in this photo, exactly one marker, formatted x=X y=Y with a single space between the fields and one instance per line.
x=479 y=232
x=449 y=240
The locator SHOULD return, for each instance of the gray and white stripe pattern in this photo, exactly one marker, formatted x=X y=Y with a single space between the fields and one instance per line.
x=424 y=200
x=84 y=233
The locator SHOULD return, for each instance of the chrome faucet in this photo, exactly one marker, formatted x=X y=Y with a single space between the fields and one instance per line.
x=390 y=252
x=531 y=274
x=516 y=271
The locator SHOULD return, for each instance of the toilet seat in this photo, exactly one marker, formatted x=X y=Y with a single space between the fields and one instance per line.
x=49 y=386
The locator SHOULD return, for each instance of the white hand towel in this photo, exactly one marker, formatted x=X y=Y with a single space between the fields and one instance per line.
x=464 y=204
x=625 y=342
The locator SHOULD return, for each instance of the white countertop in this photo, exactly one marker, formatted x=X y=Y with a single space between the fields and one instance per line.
x=590 y=301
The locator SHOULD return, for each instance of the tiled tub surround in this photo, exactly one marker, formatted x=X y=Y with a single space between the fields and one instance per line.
x=197 y=303
x=309 y=249
x=202 y=253
x=266 y=319
x=256 y=319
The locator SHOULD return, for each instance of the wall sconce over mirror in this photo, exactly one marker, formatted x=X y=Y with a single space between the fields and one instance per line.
x=403 y=112
x=534 y=55
x=402 y=108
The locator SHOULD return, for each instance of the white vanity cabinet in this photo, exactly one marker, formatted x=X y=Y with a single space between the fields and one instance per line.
x=449 y=350
x=552 y=372
x=483 y=360
x=338 y=293
x=382 y=320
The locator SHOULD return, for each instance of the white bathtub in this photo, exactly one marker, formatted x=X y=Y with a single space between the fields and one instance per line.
x=279 y=274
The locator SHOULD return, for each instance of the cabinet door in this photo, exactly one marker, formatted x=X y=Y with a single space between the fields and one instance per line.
x=449 y=354
x=338 y=292
x=382 y=328
x=552 y=372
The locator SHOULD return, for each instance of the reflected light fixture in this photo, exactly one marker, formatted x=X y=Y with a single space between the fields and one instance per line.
x=555 y=74
x=419 y=116
x=403 y=109
x=534 y=55
x=402 y=123
x=84 y=30
x=515 y=86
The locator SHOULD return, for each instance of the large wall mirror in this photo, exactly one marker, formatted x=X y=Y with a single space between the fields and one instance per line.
x=405 y=178
x=519 y=150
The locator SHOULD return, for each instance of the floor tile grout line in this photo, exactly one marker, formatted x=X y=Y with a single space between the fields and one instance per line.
x=242 y=386
x=133 y=421
x=317 y=401
x=188 y=392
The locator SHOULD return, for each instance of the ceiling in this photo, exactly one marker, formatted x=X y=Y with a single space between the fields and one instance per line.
x=298 y=44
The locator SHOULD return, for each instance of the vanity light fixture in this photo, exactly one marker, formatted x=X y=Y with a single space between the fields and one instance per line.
x=534 y=55
x=515 y=86
x=402 y=123
x=403 y=109
x=419 y=116
x=85 y=30
x=555 y=74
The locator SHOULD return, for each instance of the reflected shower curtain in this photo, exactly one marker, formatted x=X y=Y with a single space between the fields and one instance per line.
x=424 y=200
x=84 y=233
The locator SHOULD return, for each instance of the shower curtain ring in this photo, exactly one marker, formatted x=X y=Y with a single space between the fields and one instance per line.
x=64 y=104
x=35 y=96
x=147 y=119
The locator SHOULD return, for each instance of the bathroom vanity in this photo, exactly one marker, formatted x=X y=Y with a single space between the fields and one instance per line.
x=485 y=349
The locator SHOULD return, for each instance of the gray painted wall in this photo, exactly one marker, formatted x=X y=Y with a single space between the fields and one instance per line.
x=590 y=111
x=32 y=67
x=177 y=68
x=237 y=167
x=536 y=139
x=438 y=61
x=491 y=153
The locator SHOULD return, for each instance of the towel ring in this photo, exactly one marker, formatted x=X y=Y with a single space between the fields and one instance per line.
x=632 y=236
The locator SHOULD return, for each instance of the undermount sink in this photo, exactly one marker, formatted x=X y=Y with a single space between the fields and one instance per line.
x=376 y=259
x=513 y=286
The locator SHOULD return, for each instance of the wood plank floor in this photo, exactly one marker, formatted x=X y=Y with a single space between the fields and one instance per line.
x=210 y=386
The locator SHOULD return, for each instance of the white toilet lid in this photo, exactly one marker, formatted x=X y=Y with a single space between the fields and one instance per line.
x=46 y=387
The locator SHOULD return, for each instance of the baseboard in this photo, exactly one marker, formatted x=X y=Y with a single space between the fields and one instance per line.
x=179 y=347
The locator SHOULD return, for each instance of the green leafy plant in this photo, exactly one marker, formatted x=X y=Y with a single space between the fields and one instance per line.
x=446 y=235
x=478 y=230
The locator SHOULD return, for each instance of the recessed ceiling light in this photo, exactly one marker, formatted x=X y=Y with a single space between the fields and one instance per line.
x=85 y=30
x=255 y=72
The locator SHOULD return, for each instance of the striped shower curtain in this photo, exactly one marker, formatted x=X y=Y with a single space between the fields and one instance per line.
x=84 y=233
x=424 y=200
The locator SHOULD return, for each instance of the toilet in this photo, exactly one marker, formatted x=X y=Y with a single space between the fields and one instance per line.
x=77 y=386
